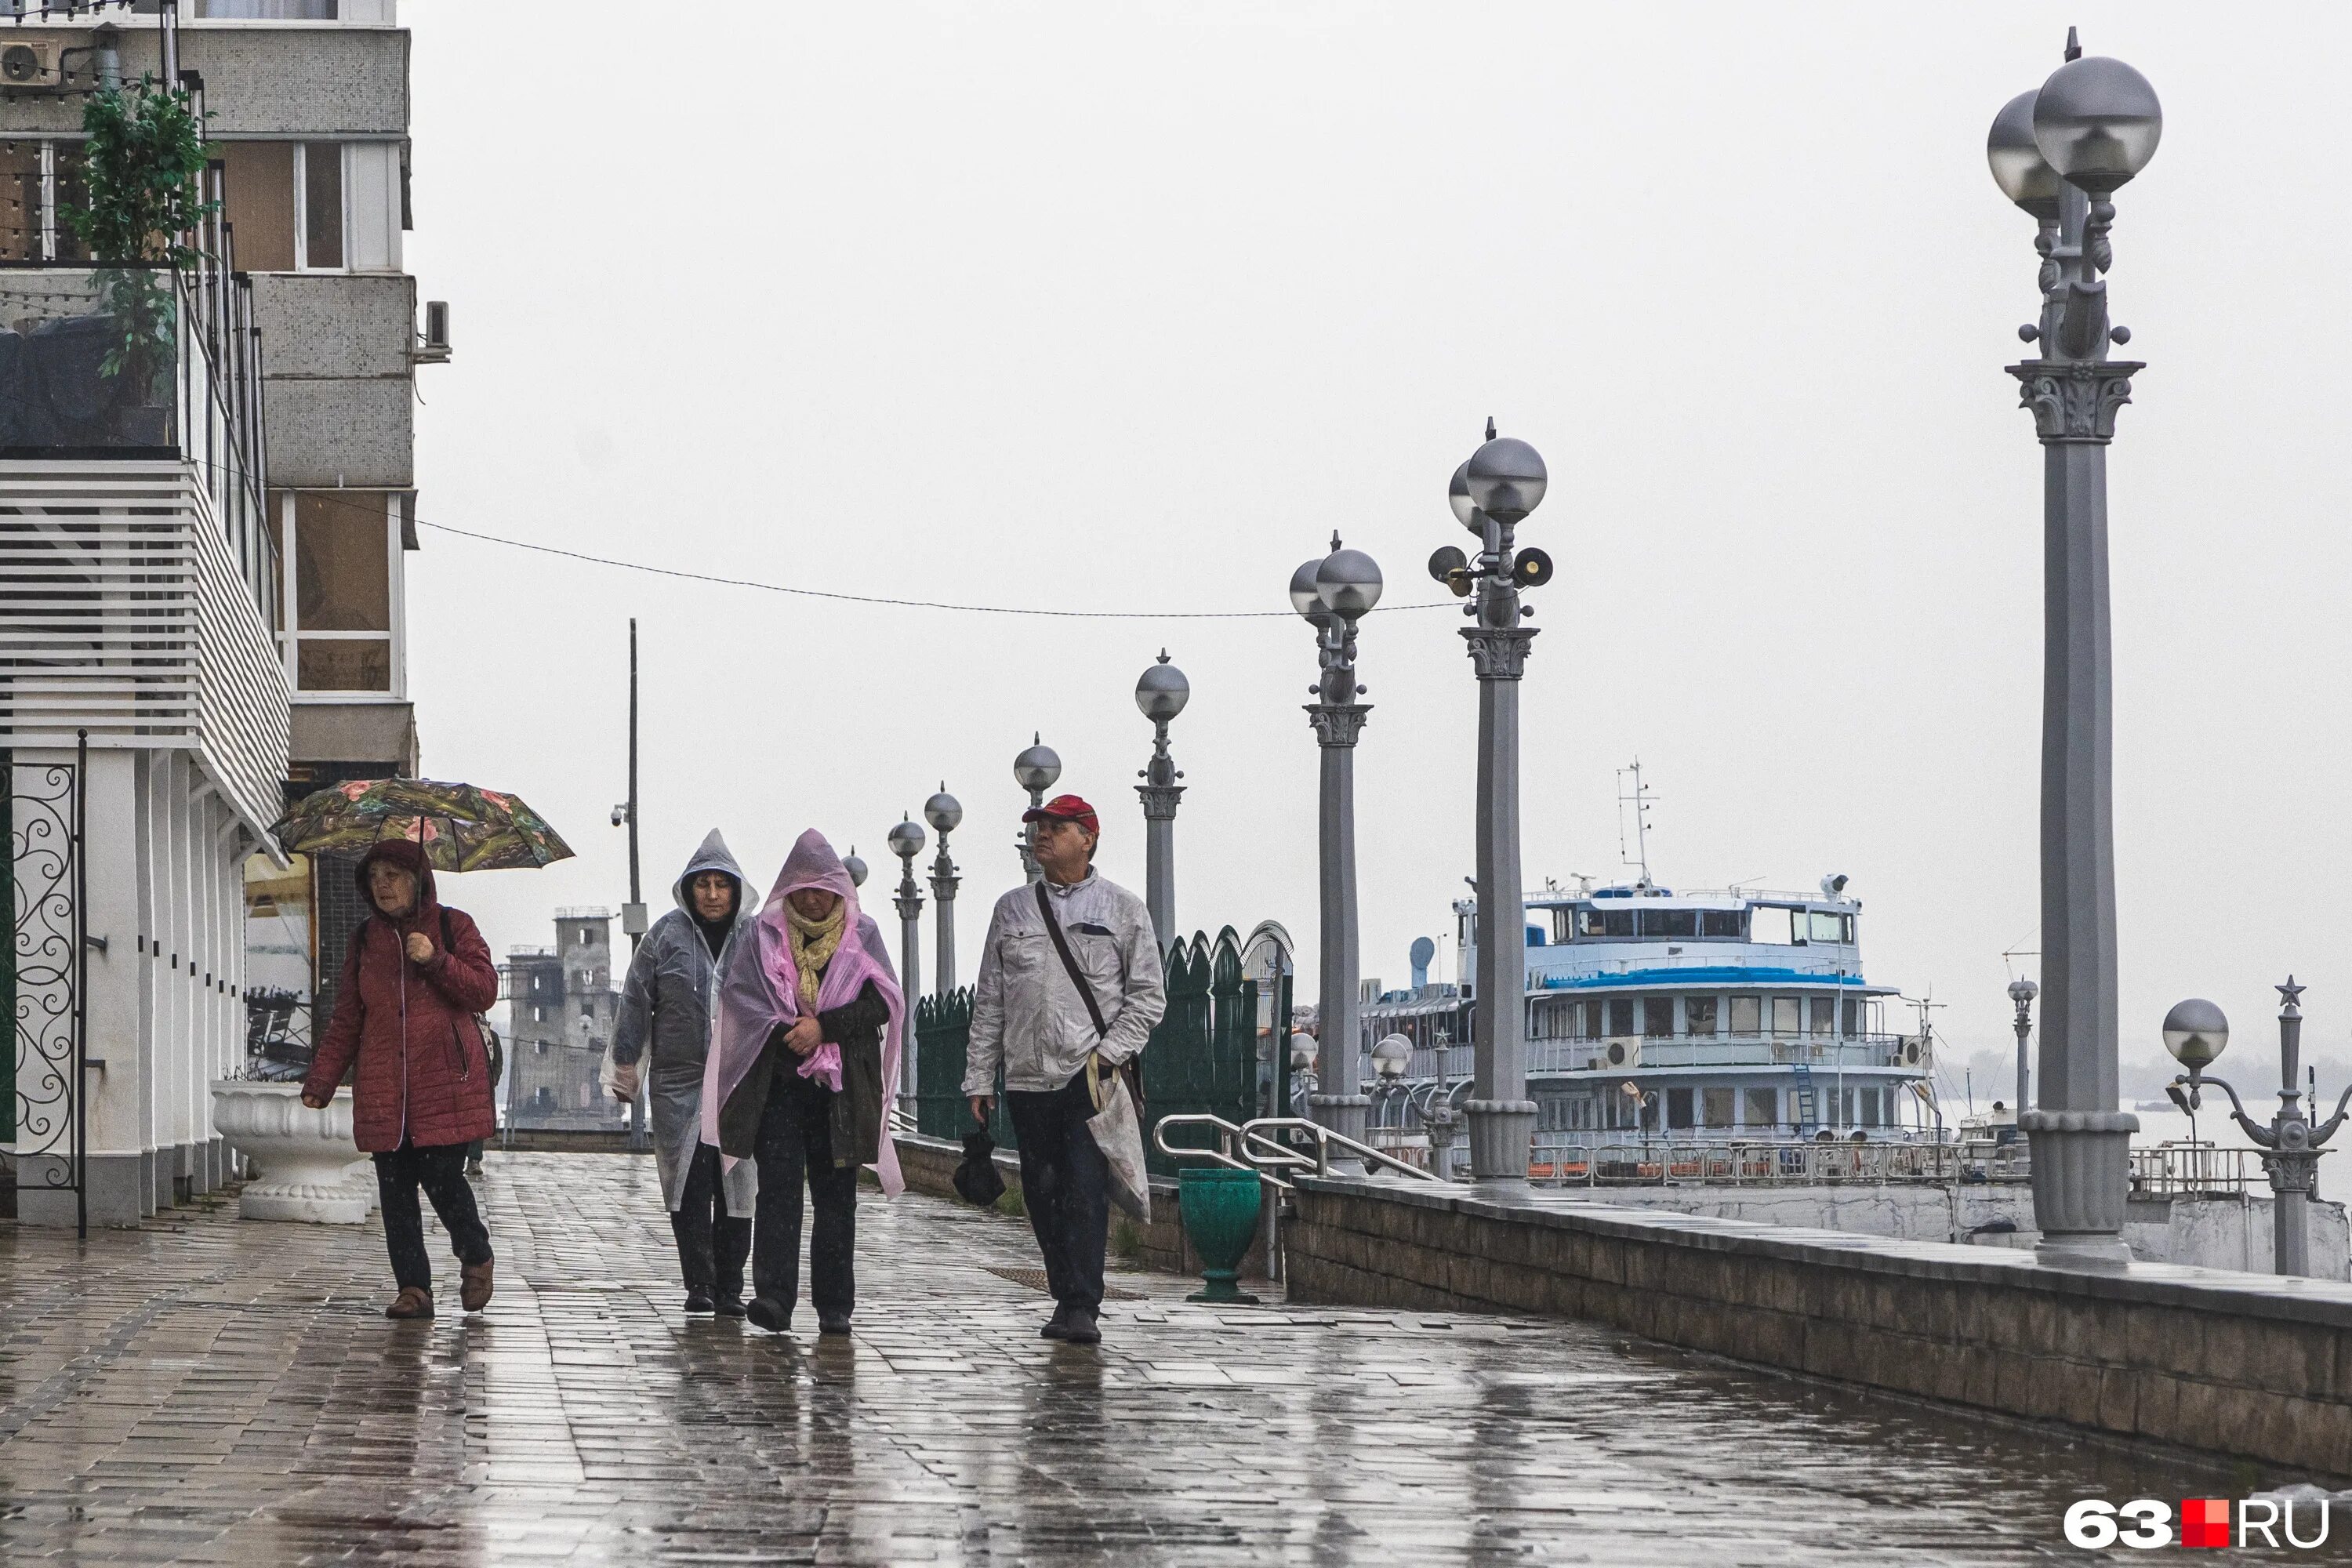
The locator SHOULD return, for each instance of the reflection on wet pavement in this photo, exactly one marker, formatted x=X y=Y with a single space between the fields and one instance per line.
x=208 y=1390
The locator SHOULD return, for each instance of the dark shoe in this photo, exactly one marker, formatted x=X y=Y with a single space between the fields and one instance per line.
x=700 y=1303
x=1057 y=1327
x=767 y=1312
x=728 y=1306
x=410 y=1303
x=1081 y=1328
x=474 y=1292
x=832 y=1323
x=473 y=1167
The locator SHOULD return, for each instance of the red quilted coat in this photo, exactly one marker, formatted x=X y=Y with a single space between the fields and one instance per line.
x=423 y=1074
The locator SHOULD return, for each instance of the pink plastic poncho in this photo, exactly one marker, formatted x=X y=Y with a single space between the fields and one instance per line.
x=760 y=990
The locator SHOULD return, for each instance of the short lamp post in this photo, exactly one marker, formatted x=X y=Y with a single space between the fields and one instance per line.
x=1034 y=770
x=1161 y=693
x=943 y=812
x=906 y=843
x=1491 y=495
x=2195 y=1032
x=2060 y=152
x=2022 y=992
x=1333 y=593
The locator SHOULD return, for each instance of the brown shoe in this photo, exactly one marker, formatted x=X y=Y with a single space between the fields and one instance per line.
x=474 y=1294
x=410 y=1303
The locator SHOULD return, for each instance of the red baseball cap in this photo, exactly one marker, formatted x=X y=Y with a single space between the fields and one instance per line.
x=1066 y=808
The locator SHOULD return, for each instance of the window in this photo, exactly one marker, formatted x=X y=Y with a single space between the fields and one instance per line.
x=1617 y=923
x=1657 y=1015
x=322 y=203
x=1770 y=925
x=1678 y=1108
x=1669 y=922
x=1719 y=922
x=1563 y=925
x=339 y=583
x=1870 y=1107
x=542 y=1048
x=1823 y=1014
x=311 y=205
x=1748 y=1015
x=1621 y=1015
x=543 y=1097
x=1785 y=1010
x=1829 y=928
x=1715 y=1103
x=1853 y=1015
x=1579 y=1113
x=40 y=182
x=1763 y=1106
x=258 y=200
x=1593 y=1029
x=1698 y=1012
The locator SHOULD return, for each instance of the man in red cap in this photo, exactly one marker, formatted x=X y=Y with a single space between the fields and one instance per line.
x=1044 y=1019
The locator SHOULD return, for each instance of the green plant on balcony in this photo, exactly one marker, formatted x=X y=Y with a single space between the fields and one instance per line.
x=144 y=174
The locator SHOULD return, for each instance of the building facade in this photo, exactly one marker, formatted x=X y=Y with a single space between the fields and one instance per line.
x=562 y=1004
x=275 y=489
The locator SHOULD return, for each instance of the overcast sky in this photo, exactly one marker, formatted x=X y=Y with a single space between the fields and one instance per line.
x=1086 y=307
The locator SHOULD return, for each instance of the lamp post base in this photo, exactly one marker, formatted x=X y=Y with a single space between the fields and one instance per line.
x=1342 y=1113
x=1502 y=1133
x=2082 y=1180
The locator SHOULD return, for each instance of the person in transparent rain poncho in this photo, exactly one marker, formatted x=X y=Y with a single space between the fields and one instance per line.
x=668 y=1009
x=805 y=1067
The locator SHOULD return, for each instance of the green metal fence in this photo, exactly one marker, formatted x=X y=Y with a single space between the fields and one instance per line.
x=1203 y=1057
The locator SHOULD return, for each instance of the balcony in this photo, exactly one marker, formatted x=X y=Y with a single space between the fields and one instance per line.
x=139 y=581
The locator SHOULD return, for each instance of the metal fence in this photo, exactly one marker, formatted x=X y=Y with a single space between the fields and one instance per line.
x=1203 y=1056
x=1655 y=1163
x=2182 y=1170
x=44 y=972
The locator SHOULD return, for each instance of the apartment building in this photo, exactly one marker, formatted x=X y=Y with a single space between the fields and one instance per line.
x=560 y=1009
x=246 y=542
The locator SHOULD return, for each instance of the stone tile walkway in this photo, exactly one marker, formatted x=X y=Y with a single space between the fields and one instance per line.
x=207 y=1391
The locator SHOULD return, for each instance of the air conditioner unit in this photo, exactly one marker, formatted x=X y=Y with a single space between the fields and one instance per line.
x=29 y=63
x=1626 y=1053
x=433 y=346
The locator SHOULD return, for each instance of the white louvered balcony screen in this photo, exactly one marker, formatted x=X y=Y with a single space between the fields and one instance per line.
x=123 y=612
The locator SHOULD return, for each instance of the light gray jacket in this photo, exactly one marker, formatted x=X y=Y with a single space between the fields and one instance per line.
x=1025 y=1011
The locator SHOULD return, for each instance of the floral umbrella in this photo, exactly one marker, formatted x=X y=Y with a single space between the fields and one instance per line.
x=462 y=827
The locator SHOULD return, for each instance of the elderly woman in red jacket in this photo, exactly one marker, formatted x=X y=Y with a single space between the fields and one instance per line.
x=414 y=977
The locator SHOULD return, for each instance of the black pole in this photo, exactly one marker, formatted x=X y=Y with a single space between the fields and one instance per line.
x=81 y=987
x=636 y=895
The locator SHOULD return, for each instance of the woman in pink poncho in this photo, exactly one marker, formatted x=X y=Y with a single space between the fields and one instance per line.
x=803 y=1072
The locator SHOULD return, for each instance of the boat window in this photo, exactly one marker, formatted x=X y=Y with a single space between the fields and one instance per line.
x=1715 y=1103
x=1748 y=1015
x=1620 y=1014
x=1870 y=1104
x=1824 y=1014
x=1785 y=1011
x=1763 y=1106
x=1589 y=922
x=1678 y=1108
x=1698 y=1012
x=1669 y=922
x=1829 y=928
x=1657 y=1015
x=1719 y=922
x=1592 y=1030
x=1770 y=925
x=1616 y=922
x=1853 y=1015
x=1563 y=925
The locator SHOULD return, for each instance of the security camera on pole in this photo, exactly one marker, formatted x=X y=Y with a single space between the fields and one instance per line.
x=1334 y=593
x=2060 y=152
x=1034 y=770
x=943 y=812
x=1491 y=495
x=1161 y=693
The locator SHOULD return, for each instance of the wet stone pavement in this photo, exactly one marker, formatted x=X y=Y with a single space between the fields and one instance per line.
x=205 y=1390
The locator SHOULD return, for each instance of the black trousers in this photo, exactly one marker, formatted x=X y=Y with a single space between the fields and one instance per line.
x=795 y=1146
x=441 y=1172
x=711 y=1243
x=1066 y=1188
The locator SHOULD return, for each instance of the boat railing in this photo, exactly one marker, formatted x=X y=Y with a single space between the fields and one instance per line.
x=2188 y=1170
x=1657 y=1162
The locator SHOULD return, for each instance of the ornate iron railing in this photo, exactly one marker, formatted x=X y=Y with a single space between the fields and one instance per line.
x=44 y=981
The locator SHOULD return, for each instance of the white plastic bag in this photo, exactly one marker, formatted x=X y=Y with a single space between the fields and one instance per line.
x=1119 y=1133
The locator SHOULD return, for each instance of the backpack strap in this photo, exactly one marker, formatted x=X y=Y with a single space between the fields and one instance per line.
x=1069 y=961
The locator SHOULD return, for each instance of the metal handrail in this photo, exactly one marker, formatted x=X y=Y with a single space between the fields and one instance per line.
x=1228 y=1137
x=1254 y=1137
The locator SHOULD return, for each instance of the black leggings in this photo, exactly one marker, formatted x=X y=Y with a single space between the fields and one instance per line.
x=711 y=1243
x=441 y=1172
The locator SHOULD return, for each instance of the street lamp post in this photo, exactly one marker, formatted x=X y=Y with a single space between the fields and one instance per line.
x=1034 y=770
x=906 y=843
x=2022 y=992
x=1333 y=593
x=1161 y=693
x=2195 y=1032
x=1491 y=494
x=943 y=811
x=2060 y=153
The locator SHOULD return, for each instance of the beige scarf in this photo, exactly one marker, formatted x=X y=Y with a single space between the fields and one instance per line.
x=814 y=943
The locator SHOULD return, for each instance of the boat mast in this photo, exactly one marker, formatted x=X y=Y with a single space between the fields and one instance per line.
x=1639 y=799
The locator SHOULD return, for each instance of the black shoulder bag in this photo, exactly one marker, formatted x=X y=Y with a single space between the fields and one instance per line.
x=1127 y=1069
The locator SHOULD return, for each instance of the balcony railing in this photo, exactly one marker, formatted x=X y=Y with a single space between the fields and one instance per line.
x=1634 y=1052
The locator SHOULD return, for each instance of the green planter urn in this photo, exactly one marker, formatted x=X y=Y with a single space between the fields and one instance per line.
x=1220 y=1206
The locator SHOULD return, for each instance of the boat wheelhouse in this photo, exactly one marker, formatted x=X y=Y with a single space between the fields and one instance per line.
x=1699 y=1017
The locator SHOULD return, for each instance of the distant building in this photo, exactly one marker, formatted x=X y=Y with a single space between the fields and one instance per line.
x=560 y=1004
